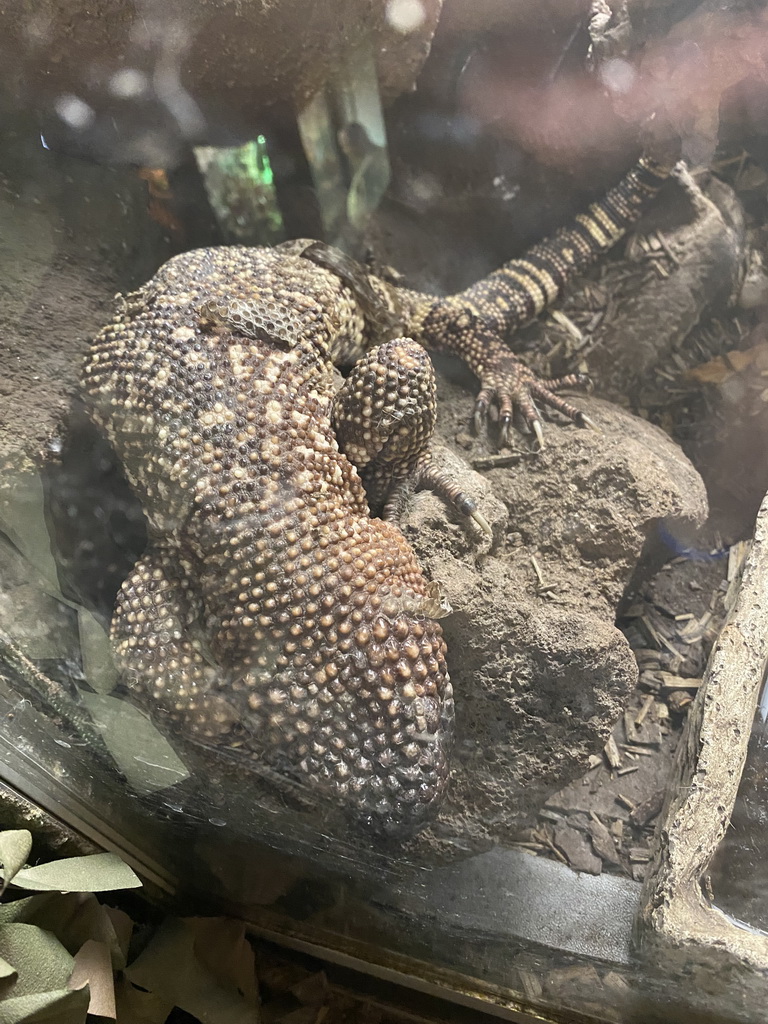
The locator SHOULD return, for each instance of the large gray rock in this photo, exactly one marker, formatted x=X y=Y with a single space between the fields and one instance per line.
x=540 y=671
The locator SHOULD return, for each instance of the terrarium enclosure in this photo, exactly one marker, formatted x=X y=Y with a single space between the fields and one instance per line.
x=587 y=841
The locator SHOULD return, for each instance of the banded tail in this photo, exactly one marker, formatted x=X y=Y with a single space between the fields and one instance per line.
x=521 y=289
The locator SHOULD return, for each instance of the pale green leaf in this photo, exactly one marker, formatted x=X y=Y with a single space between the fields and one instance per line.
x=15 y=847
x=27 y=910
x=8 y=976
x=144 y=755
x=169 y=968
x=40 y=959
x=99 y=872
x=6 y=970
x=22 y=910
x=22 y=519
x=74 y=917
x=93 y=967
x=40 y=625
x=56 y=1007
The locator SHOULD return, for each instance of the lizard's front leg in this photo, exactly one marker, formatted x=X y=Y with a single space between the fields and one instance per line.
x=506 y=383
x=384 y=419
x=477 y=323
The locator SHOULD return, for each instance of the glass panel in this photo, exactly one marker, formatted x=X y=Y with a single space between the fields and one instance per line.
x=738 y=872
x=417 y=705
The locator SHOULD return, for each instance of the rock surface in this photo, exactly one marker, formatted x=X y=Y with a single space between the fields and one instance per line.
x=541 y=673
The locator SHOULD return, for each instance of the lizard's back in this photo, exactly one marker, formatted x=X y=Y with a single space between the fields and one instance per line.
x=263 y=550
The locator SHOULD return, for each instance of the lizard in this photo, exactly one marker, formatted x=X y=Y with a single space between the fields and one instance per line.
x=272 y=614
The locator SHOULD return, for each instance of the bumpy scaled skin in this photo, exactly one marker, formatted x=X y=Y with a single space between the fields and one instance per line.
x=271 y=613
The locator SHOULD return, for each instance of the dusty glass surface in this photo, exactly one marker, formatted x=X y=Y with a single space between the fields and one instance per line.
x=419 y=713
x=738 y=875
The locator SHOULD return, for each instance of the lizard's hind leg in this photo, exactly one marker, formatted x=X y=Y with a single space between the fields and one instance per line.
x=384 y=418
x=161 y=659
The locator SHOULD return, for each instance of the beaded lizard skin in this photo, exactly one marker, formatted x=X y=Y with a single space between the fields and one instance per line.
x=271 y=613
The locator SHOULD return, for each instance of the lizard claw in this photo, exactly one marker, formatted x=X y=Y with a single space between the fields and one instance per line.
x=587 y=422
x=480 y=417
x=539 y=432
x=442 y=483
x=481 y=521
x=509 y=384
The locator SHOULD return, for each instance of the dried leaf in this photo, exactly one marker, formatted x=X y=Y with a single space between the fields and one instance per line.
x=603 y=842
x=93 y=966
x=122 y=926
x=56 y=1007
x=39 y=958
x=718 y=370
x=98 y=872
x=15 y=847
x=169 y=967
x=137 y=1007
x=89 y=921
x=312 y=990
x=145 y=757
x=74 y=918
x=221 y=945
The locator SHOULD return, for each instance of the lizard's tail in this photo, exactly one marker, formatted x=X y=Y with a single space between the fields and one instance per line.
x=521 y=289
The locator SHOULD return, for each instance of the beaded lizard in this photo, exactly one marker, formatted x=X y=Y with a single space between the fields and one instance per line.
x=271 y=613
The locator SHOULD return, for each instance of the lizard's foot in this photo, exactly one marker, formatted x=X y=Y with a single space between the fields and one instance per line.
x=425 y=475
x=510 y=385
